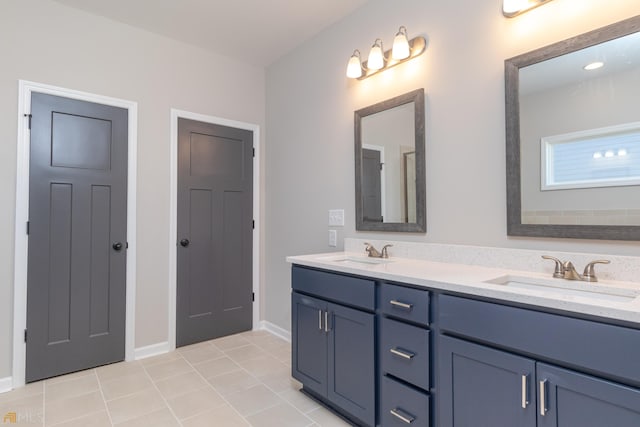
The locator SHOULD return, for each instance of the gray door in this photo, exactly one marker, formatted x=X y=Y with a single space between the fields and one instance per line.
x=215 y=216
x=371 y=185
x=76 y=286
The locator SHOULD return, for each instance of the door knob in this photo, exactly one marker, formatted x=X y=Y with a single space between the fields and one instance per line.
x=117 y=247
x=184 y=243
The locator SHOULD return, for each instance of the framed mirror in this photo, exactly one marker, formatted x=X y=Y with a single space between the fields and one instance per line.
x=390 y=165
x=573 y=137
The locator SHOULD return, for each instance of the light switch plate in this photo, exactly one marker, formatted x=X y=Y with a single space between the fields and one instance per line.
x=336 y=217
x=333 y=238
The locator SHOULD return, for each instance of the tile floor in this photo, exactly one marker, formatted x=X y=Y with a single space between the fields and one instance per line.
x=240 y=380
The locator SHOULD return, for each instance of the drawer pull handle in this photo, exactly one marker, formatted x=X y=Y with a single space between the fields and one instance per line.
x=320 y=319
x=326 y=321
x=525 y=400
x=403 y=354
x=401 y=304
x=543 y=397
x=402 y=416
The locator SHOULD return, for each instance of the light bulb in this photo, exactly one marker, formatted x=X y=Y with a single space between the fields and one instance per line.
x=609 y=153
x=510 y=7
x=401 y=48
x=354 y=67
x=622 y=152
x=593 y=66
x=597 y=155
x=376 y=56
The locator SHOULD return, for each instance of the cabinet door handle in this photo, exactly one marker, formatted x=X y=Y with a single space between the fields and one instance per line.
x=402 y=415
x=401 y=304
x=326 y=321
x=543 y=397
x=401 y=353
x=525 y=397
x=320 y=319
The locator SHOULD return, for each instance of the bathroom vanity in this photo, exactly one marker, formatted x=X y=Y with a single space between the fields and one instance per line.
x=409 y=342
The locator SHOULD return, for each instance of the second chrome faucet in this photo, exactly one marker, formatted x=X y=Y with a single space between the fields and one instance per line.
x=566 y=270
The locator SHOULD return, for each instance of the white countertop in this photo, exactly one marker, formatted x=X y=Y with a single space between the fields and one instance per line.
x=472 y=280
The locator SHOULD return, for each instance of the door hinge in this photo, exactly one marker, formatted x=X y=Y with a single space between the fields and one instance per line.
x=253 y=297
x=28 y=226
x=254 y=152
x=253 y=224
x=25 y=335
x=29 y=116
x=126 y=245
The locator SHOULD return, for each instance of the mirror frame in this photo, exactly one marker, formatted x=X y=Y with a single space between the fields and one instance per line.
x=420 y=226
x=515 y=227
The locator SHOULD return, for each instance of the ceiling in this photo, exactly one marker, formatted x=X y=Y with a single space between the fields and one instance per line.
x=253 y=31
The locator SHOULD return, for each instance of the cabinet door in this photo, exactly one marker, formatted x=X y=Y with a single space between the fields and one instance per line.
x=309 y=342
x=352 y=362
x=572 y=399
x=483 y=387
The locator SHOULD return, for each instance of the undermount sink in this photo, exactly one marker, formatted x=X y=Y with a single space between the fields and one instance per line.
x=566 y=288
x=346 y=259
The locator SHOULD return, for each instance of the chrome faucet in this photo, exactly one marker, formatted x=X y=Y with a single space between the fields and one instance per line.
x=566 y=270
x=373 y=252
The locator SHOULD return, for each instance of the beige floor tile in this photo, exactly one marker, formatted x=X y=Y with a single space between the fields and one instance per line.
x=160 y=418
x=161 y=371
x=126 y=385
x=216 y=367
x=195 y=402
x=326 y=418
x=72 y=376
x=28 y=410
x=254 y=399
x=263 y=365
x=245 y=352
x=28 y=390
x=279 y=381
x=232 y=341
x=200 y=353
x=233 y=382
x=270 y=342
x=180 y=384
x=254 y=334
x=283 y=354
x=74 y=387
x=117 y=370
x=282 y=415
x=70 y=408
x=223 y=416
x=135 y=405
x=100 y=419
x=298 y=399
x=166 y=357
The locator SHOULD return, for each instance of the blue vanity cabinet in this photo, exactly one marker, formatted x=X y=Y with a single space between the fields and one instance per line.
x=333 y=340
x=508 y=366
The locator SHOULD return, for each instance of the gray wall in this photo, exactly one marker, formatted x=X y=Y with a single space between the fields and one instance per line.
x=45 y=42
x=310 y=104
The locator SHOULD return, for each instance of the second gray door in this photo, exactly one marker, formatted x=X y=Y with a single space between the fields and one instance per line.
x=215 y=231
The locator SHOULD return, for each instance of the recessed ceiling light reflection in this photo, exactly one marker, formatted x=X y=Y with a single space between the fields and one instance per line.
x=594 y=66
x=609 y=153
x=597 y=155
x=622 y=152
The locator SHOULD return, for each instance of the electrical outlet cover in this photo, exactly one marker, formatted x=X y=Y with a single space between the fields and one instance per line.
x=333 y=238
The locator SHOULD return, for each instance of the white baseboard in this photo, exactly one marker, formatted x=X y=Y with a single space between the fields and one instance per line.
x=6 y=384
x=275 y=330
x=151 y=350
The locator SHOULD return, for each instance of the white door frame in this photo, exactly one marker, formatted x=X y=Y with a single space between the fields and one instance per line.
x=173 y=212
x=26 y=88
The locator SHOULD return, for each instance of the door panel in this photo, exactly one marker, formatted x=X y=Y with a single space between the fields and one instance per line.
x=309 y=353
x=215 y=213
x=371 y=186
x=574 y=399
x=76 y=290
x=482 y=387
x=352 y=376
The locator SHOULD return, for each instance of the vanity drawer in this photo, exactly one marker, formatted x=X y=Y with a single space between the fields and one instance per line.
x=405 y=303
x=347 y=290
x=404 y=352
x=398 y=401
x=599 y=348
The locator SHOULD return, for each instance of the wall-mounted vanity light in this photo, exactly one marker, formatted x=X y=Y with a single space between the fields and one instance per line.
x=511 y=8
x=379 y=60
